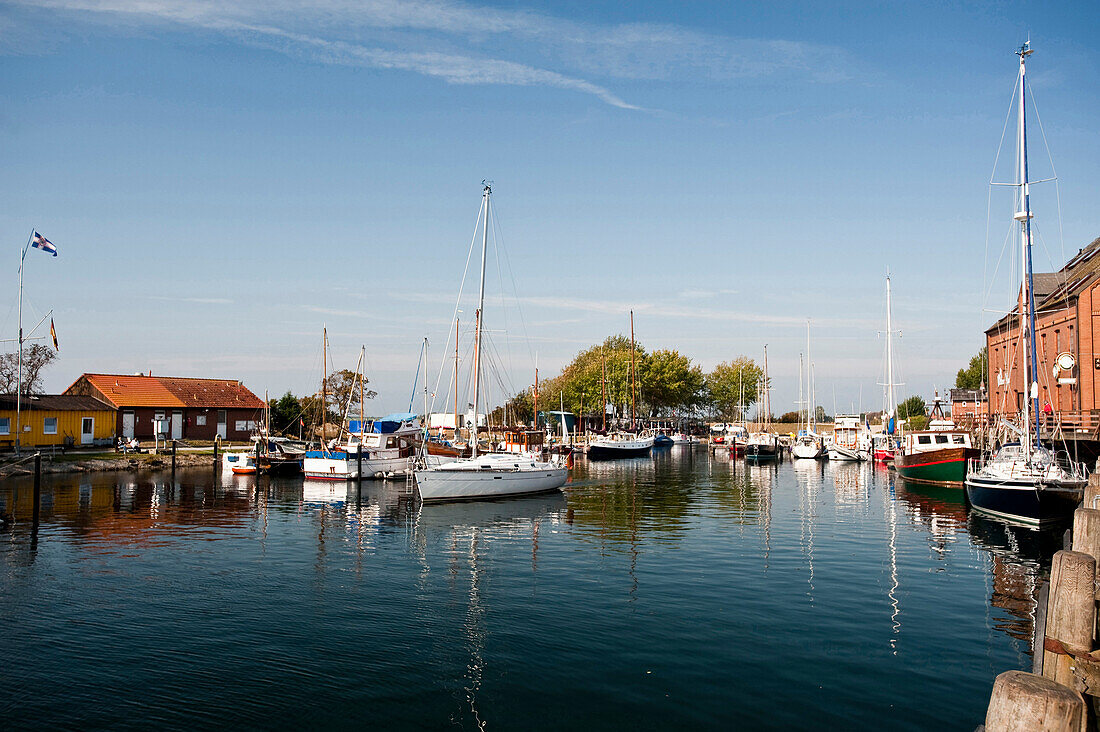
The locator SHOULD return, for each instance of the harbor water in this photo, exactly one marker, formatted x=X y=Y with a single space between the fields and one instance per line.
x=680 y=589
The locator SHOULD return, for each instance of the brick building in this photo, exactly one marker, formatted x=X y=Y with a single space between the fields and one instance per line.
x=1067 y=305
x=968 y=404
x=196 y=409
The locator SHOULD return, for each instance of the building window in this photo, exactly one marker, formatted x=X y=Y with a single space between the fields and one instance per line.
x=5 y=425
x=200 y=420
x=49 y=426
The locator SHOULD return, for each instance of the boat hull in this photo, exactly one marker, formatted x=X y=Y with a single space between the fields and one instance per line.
x=467 y=485
x=806 y=452
x=846 y=454
x=936 y=467
x=622 y=449
x=1021 y=502
x=760 y=453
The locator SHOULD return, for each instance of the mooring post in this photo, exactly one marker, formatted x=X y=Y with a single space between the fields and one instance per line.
x=37 y=489
x=1092 y=491
x=173 y=457
x=1086 y=532
x=215 y=454
x=1025 y=701
x=1071 y=611
x=359 y=465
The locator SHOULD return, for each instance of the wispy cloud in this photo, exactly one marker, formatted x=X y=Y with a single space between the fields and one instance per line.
x=199 y=300
x=462 y=43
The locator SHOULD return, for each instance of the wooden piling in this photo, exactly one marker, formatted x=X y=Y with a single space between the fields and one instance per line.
x=173 y=457
x=37 y=490
x=1086 y=532
x=1023 y=702
x=1092 y=492
x=1071 y=611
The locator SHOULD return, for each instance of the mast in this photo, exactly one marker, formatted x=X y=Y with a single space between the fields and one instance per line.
x=767 y=395
x=891 y=398
x=426 y=416
x=362 y=355
x=536 y=396
x=603 y=392
x=1023 y=215
x=813 y=393
x=19 y=382
x=456 y=379
x=811 y=408
x=633 y=395
x=324 y=385
x=801 y=397
x=478 y=316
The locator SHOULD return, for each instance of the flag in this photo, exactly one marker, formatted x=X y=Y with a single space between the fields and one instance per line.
x=41 y=242
x=53 y=334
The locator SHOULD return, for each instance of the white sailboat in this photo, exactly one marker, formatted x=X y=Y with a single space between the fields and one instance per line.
x=808 y=445
x=886 y=443
x=490 y=475
x=1025 y=481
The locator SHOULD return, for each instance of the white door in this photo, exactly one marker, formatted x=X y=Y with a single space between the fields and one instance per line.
x=87 y=429
x=223 y=428
x=177 y=425
x=128 y=425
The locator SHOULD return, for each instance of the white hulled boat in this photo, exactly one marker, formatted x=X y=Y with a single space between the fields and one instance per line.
x=487 y=476
x=1026 y=482
x=851 y=439
x=808 y=445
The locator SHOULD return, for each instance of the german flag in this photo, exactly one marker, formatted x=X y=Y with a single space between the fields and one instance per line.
x=53 y=334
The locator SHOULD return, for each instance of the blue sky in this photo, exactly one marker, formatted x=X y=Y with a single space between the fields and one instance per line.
x=223 y=178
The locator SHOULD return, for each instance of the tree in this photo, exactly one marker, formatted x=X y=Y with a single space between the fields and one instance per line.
x=731 y=387
x=35 y=359
x=285 y=413
x=670 y=381
x=343 y=388
x=790 y=417
x=820 y=415
x=973 y=376
x=914 y=406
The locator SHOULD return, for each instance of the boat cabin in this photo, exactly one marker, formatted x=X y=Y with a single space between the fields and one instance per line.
x=848 y=432
x=939 y=439
x=517 y=441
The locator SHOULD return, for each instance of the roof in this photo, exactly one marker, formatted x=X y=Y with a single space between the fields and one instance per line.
x=1055 y=290
x=55 y=403
x=966 y=395
x=173 y=391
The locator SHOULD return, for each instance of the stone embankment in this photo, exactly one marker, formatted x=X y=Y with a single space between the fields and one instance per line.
x=106 y=462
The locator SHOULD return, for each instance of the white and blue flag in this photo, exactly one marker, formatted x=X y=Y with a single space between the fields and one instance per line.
x=41 y=242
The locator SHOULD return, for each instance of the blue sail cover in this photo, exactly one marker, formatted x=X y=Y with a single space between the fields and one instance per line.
x=391 y=422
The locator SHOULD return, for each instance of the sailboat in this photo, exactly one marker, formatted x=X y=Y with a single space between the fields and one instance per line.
x=623 y=444
x=492 y=475
x=808 y=445
x=885 y=444
x=1025 y=481
x=763 y=445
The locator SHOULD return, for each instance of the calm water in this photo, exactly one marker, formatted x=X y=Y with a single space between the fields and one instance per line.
x=675 y=590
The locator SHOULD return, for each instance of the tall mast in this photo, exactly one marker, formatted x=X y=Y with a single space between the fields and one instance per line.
x=603 y=392
x=891 y=398
x=633 y=396
x=426 y=415
x=478 y=318
x=767 y=396
x=362 y=358
x=1023 y=215
x=19 y=382
x=811 y=408
x=324 y=385
x=801 y=397
x=456 y=379
x=536 y=397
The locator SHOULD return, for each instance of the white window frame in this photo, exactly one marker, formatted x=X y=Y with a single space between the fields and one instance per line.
x=5 y=425
x=46 y=426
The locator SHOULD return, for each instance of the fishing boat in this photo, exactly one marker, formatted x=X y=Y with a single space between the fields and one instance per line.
x=939 y=455
x=491 y=475
x=1026 y=481
x=851 y=439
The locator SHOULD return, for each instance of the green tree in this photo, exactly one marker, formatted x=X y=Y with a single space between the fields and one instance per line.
x=973 y=376
x=285 y=412
x=914 y=406
x=731 y=387
x=790 y=417
x=820 y=415
x=670 y=382
x=343 y=389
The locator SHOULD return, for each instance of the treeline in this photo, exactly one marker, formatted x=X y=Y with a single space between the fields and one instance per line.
x=667 y=384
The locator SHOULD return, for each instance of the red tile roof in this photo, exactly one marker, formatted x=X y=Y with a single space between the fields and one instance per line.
x=173 y=392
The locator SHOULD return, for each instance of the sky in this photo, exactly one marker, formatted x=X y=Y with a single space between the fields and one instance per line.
x=223 y=180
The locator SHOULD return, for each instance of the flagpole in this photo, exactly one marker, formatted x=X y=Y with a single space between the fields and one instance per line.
x=19 y=378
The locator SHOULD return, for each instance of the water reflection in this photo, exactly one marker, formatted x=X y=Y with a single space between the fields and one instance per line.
x=699 y=551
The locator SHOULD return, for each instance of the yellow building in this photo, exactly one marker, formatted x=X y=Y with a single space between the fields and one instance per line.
x=61 y=420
